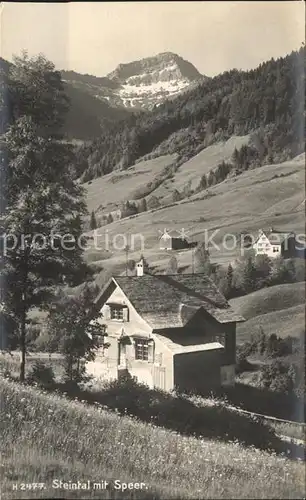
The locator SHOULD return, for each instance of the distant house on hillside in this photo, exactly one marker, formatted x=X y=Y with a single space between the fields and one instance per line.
x=167 y=331
x=116 y=214
x=168 y=242
x=275 y=244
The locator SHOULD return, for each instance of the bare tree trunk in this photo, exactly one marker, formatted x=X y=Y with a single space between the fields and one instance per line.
x=23 y=345
x=23 y=317
x=78 y=367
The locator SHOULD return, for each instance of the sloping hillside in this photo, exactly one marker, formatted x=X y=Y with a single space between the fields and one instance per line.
x=112 y=189
x=283 y=323
x=278 y=309
x=106 y=192
x=190 y=173
x=87 y=114
x=238 y=204
x=274 y=298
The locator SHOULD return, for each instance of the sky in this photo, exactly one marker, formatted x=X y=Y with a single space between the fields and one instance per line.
x=95 y=37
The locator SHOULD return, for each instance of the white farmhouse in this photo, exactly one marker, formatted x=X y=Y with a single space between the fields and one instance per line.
x=275 y=244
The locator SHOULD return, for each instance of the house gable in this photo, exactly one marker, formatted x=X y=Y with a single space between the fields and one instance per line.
x=131 y=323
x=174 y=329
x=275 y=243
x=262 y=242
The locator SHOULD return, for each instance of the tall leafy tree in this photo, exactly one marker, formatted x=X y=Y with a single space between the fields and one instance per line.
x=110 y=218
x=203 y=182
x=263 y=270
x=41 y=225
x=75 y=327
x=93 y=221
x=142 y=205
x=211 y=178
x=202 y=259
x=172 y=267
x=228 y=282
x=176 y=196
x=249 y=276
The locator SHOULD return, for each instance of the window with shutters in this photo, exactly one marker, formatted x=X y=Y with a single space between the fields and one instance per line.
x=118 y=312
x=142 y=349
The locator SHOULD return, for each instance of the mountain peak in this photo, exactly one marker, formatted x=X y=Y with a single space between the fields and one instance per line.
x=140 y=84
x=149 y=81
x=168 y=64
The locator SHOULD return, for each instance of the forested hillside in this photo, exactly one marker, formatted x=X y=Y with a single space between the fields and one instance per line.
x=267 y=102
x=87 y=115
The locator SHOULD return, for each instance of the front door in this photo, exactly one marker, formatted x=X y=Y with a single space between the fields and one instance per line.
x=121 y=354
x=159 y=377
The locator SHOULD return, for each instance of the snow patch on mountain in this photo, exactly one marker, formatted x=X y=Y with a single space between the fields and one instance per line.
x=141 y=84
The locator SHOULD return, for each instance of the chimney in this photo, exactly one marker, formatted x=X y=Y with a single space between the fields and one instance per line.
x=140 y=268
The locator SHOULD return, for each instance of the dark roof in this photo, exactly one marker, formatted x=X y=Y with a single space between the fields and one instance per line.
x=171 y=300
x=278 y=237
x=275 y=237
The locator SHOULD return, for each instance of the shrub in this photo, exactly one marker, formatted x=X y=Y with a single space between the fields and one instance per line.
x=153 y=203
x=283 y=377
x=41 y=374
x=42 y=343
x=33 y=333
x=242 y=364
x=94 y=256
x=179 y=413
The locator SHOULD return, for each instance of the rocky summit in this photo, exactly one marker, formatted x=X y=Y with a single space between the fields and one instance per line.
x=148 y=82
x=140 y=84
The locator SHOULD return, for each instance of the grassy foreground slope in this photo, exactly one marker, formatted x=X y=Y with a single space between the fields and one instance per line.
x=47 y=437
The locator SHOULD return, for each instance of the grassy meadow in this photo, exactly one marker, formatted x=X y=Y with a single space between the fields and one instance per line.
x=10 y=363
x=266 y=300
x=105 y=193
x=47 y=437
x=192 y=170
x=283 y=323
x=279 y=309
x=268 y=196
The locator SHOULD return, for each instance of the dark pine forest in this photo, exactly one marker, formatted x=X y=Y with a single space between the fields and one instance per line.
x=266 y=102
